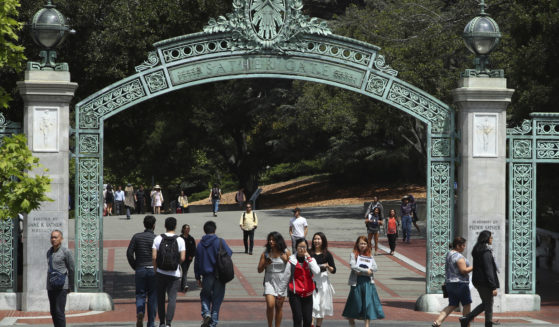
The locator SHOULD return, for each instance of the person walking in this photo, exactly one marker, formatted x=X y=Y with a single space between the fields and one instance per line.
x=414 y=216
x=375 y=202
x=323 y=296
x=168 y=251
x=240 y=197
x=60 y=277
x=183 y=202
x=374 y=224
x=248 y=223
x=406 y=214
x=457 y=281
x=392 y=230
x=139 y=255
x=140 y=200
x=129 y=199
x=363 y=301
x=190 y=247
x=484 y=278
x=215 y=197
x=213 y=290
x=156 y=199
x=119 y=201
x=300 y=270
x=109 y=199
x=274 y=261
x=298 y=228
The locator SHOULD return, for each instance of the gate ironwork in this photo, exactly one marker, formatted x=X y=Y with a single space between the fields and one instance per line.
x=535 y=141
x=261 y=39
x=9 y=228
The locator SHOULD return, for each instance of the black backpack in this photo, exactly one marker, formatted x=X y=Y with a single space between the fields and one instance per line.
x=215 y=193
x=224 y=265
x=168 y=256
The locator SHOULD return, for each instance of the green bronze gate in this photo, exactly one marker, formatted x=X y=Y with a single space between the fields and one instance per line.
x=293 y=46
x=9 y=229
x=535 y=141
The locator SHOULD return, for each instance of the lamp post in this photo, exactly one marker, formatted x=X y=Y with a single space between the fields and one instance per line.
x=481 y=36
x=49 y=29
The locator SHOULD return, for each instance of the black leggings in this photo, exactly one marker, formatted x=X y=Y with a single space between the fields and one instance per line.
x=248 y=235
x=301 y=307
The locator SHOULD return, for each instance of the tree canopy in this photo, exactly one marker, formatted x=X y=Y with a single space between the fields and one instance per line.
x=238 y=132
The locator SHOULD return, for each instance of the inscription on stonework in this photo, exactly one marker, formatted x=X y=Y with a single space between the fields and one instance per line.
x=44 y=225
x=277 y=66
x=479 y=225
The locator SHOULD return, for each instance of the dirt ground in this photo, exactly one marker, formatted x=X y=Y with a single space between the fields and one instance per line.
x=315 y=192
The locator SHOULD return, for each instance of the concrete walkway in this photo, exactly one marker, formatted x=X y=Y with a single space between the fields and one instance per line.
x=400 y=279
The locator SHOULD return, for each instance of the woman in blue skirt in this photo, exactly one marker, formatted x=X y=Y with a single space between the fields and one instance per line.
x=362 y=302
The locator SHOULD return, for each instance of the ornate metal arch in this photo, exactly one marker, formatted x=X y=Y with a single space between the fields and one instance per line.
x=261 y=39
x=535 y=141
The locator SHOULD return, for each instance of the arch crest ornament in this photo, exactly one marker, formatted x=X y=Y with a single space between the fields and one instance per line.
x=262 y=39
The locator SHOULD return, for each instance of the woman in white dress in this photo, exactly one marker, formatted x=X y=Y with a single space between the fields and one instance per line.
x=156 y=199
x=323 y=293
x=274 y=261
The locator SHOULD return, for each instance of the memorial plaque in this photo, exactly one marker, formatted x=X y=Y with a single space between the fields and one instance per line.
x=485 y=135
x=45 y=129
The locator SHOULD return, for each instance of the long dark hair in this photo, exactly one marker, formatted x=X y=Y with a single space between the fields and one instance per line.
x=482 y=241
x=324 y=243
x=280 y=242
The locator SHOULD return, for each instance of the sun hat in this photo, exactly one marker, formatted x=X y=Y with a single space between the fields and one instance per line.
x=157 y=187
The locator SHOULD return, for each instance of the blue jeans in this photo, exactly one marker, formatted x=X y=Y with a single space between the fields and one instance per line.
x=145 y=287
x=215 y=205
x=406 y=227
x=211 y=297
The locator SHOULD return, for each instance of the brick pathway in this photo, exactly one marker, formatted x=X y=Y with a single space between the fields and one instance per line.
x=399 y=283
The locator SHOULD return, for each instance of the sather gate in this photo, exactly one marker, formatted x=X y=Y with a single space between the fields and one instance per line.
x=261 y=39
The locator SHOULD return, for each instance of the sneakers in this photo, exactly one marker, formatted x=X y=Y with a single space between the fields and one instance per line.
x=140 y=319
x=185 y=289
x=463 y=321
x=206 y=322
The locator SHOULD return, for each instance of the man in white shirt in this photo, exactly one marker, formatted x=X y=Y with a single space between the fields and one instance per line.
x=168 y=251
x=119 y=200
x=298 y=228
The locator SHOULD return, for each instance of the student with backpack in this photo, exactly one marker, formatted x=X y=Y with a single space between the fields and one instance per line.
x=248 y=223
x=213 y=268
x=168 y=251
x=215 y=197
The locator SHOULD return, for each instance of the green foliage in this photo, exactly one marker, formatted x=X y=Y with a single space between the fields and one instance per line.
x=289 y=170
x=11 y=54
x=20 y=193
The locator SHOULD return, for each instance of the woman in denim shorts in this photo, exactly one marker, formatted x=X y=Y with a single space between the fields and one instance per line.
x=457 y=281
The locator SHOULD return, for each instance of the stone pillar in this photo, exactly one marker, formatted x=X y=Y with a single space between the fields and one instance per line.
x=46 y=122
x=482 y=189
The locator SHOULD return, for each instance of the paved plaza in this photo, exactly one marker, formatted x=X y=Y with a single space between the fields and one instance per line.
x=400 y=279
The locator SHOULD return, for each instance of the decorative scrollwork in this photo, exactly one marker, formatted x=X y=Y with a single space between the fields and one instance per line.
x=547 y=149
x=110 y=101
x=156 y=81
x=523 y=129
x=381 y=65
x=88 y=246
x=440 y=147
x=418 y=104
x=267 y=25
x=376 y=85
x=547 y=128
x=7 y=255
x=522 y=226
x=439 y=232
x=337 y=51
x=194 y=49
x=152 y=61
x=522 y=149
x=89 y=143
